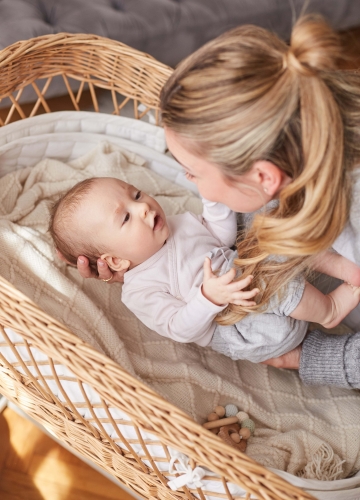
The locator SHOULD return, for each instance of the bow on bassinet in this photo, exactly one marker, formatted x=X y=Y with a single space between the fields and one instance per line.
x=189 y=477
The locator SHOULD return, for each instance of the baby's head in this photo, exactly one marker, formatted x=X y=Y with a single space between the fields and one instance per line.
x=108 y=218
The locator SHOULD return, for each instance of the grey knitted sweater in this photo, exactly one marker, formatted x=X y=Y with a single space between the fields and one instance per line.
x=335 y=359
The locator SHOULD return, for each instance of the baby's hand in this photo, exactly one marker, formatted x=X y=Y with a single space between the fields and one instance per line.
x=222 y=290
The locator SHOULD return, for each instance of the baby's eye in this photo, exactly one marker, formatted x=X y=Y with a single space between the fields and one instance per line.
x=126 y=218
x=138 y=194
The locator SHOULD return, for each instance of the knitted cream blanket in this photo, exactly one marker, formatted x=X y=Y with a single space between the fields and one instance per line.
x=306 y=431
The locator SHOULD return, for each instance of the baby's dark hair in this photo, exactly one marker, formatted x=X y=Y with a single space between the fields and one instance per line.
x=61 y=214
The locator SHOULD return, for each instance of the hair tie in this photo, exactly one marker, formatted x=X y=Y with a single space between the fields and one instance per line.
x=284 y=61
x=290 y=61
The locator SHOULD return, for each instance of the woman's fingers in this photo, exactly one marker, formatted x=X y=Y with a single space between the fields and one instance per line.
x=106 y=274
x=290 y=360
x=103 y=269
x=84 y=268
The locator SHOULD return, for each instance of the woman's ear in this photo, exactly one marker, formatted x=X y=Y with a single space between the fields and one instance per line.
x=116 y=263
x=270 y=177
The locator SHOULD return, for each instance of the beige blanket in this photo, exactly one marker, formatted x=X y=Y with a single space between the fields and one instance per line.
x=301 y=430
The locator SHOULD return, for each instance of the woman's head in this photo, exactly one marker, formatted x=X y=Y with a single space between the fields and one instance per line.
x=242 y=193
x=239 y=98
x=247 y=98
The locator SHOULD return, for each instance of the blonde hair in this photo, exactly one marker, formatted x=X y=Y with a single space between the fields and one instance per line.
x=248 y=96
x=60 y=225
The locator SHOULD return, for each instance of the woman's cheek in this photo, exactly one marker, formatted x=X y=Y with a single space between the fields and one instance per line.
x=209 y=193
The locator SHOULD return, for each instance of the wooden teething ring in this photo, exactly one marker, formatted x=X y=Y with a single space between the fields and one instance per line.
x=225 y=432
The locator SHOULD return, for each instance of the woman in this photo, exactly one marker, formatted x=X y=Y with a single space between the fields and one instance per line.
x=252 y=120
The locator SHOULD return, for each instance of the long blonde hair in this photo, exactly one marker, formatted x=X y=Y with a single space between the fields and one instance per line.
x=248 y=96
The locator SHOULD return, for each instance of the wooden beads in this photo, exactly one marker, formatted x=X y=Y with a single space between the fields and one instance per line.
x=248 y=423
x=220 y=423
x=214 y=416
x=245 y=433
x=230 y=434
x=231 y=410
x=220 y=411
x=227 y=431
x=235 y=437
x=235 y=429
x=241 y=415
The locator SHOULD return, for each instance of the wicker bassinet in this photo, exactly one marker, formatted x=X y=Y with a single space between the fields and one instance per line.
x=130 y=76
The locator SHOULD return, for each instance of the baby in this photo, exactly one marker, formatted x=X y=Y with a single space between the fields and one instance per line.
x=168 y=286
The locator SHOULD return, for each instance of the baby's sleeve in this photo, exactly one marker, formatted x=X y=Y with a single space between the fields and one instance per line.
x=220 y=222
x=171 y=317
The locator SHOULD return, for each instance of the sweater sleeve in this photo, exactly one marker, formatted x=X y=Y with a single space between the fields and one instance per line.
x=173 y=318
x=331 y=360
x=220 y=222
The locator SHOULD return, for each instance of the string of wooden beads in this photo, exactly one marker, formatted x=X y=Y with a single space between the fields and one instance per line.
x=233 y=426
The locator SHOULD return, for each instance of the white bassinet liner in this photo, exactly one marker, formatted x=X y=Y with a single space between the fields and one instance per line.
x=65 y=137
x=68 y=135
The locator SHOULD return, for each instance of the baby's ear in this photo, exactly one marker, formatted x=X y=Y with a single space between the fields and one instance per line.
x=116 y=263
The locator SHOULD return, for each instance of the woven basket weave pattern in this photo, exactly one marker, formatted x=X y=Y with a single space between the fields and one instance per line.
x=130 y=76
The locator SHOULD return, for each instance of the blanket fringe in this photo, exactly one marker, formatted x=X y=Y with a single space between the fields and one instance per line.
x=325 y=465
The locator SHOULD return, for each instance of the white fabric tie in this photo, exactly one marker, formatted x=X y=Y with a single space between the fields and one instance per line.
x=189 y=477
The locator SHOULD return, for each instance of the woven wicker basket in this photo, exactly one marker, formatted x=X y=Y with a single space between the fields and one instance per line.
x=130 y=76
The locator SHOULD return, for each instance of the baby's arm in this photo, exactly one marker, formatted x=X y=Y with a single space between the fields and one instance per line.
x=220 y=222
x=334 y=264
x=172 y=317
x=327 y=310
x=222 y=289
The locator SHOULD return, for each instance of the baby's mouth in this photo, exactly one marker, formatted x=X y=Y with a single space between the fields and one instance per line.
x=158 y=223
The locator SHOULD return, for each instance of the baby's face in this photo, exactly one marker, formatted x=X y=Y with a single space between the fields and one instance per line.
x=127 y=222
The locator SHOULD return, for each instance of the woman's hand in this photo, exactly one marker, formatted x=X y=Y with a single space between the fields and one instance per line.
x=289 y=360
x=105 y=274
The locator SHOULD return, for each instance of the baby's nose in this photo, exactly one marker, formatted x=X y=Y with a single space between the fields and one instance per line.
x=144 y=209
